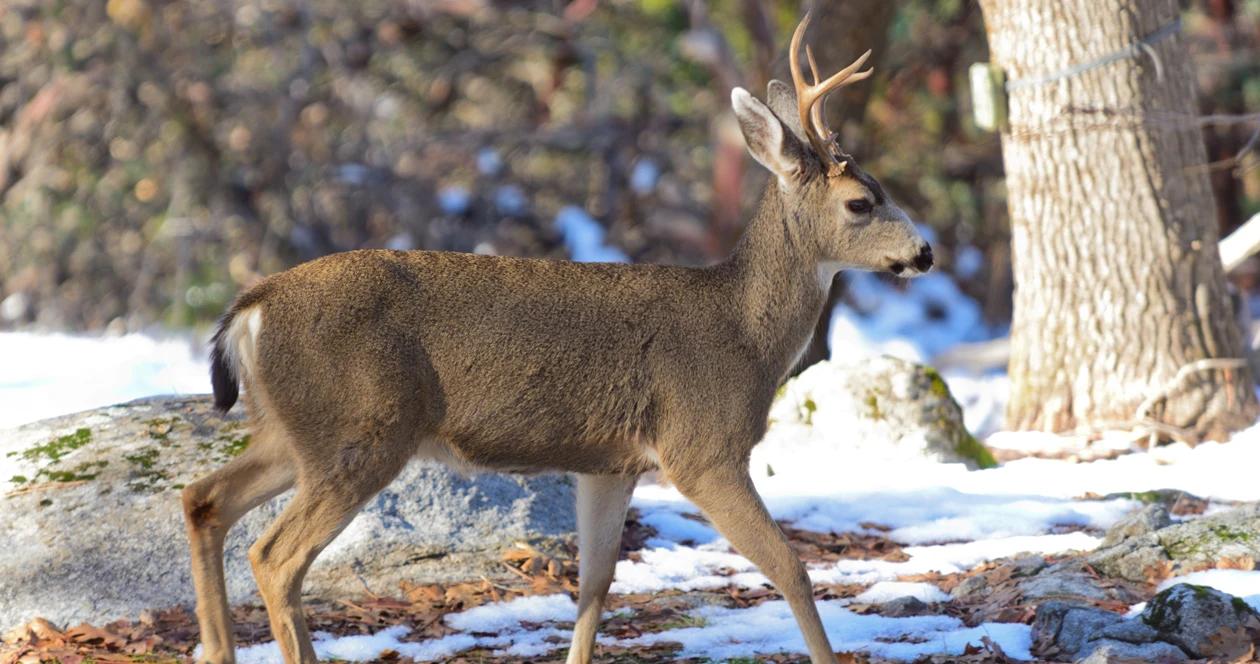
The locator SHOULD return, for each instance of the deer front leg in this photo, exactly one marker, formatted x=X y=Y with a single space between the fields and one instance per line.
x=601 y=516
x=726 y=496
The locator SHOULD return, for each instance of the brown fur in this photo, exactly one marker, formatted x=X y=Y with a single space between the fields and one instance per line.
x=367 y=359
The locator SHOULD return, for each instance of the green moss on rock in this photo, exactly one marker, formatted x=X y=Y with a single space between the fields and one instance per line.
x=56 y=448
x=872 y=406
x=936 y=384
x=970 y=448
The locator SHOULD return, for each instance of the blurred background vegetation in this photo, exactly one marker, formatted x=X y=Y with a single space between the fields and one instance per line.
x=156 y=156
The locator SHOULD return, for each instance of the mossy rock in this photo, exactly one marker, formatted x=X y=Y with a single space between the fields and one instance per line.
x=895 y=407
x=1204 y=622
x=1185 y=547
x=93 y=524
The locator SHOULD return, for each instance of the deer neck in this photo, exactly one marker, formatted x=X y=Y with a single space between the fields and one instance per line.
x=780 y=285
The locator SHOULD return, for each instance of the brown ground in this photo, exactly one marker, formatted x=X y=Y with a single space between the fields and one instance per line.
x=170 y=635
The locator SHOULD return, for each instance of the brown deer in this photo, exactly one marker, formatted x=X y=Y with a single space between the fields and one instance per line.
x=357 y=362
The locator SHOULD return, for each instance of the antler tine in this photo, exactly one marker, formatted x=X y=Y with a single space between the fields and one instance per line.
x=806 y=94
x=810 y=97
x=816 y=112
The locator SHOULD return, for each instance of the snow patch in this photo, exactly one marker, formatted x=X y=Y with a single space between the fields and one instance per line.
x=584 y=237
x=53 y=374
x=887 y=591
x=770 y=628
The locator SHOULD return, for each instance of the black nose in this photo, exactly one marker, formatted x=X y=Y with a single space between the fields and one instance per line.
x=923 y=262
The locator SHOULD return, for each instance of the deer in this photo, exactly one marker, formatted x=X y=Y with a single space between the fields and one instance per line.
x=355 y=363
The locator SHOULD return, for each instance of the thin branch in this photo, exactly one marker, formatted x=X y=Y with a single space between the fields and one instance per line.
x=1241 y=244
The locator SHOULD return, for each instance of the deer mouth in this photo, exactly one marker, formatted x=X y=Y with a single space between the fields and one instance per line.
x=920 y=264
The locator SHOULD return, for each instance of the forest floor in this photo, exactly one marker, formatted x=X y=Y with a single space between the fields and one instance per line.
x=681 y=594
x=485 y=621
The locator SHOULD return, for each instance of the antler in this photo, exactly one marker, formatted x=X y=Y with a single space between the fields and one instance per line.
x=810 y=98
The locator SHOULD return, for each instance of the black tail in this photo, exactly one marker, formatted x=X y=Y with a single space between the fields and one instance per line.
x=222 y=375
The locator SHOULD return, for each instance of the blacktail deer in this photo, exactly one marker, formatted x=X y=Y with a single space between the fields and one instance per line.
x=357 y=362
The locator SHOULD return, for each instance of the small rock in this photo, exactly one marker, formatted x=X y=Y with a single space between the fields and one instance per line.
x=1146 y=520
x=1064 y=629
x=1130 y=631
x=904 y=606
x=1204 y=622
x=1108 y=651
x=1027 y=565
x=1065 y=580
x=1074 y=582
x=970 y=586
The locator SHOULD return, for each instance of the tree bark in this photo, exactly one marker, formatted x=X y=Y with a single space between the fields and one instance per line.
x=1118 y=280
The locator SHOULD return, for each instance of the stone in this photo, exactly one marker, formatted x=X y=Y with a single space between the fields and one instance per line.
x=1027 y=565
x=972 y=585
x=1184 y=547
x=93 y=526
x=1108 y=651
x=1146 y=520
x=1062 y=630
x=882 y=407
x=1068 y=631
x=1066 y=580
x=1204 y=622
x=1130 y=631
x=902 y=607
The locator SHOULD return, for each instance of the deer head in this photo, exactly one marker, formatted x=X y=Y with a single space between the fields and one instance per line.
x=836 y=204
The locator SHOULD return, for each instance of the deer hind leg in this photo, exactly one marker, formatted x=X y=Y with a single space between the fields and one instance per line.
x=726 y=495
x=601 y=513
x=330 y=492
x=211 y=505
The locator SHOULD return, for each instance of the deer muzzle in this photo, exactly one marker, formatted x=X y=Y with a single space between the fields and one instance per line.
x=922 y=262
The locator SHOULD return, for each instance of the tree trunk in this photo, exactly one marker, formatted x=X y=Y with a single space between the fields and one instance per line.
x=1118 y=283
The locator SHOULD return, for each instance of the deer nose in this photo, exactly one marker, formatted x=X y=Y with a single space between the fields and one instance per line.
x=923 y=262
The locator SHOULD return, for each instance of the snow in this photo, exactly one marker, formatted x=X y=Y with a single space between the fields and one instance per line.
x=721 y=633
x=770 y=628
x=887 y=591
x=509 y=200
x=928 y=315
x=53 y=374
x=493 y=618
x=454 y=200
x=968 y=261
x=362 y=648
x=584 y=237
x=644 y=175
x=489 y=162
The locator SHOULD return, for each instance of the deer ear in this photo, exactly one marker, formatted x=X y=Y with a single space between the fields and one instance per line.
x=767 y=141
x=781 y=99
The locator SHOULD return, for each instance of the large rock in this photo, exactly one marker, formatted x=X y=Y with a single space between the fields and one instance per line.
x=1064 y=630
x=880 y=407
x=1181 y=623
x=1204 y=622
x=93 y=528
x=1180 y=548
x=1070 y=632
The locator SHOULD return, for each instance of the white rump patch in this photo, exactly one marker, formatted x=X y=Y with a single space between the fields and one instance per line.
x=241 y=342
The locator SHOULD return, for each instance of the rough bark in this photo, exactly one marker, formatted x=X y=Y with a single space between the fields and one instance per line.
x=1118 y=283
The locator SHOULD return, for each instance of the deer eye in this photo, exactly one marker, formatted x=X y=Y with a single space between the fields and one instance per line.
x=859 y=206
